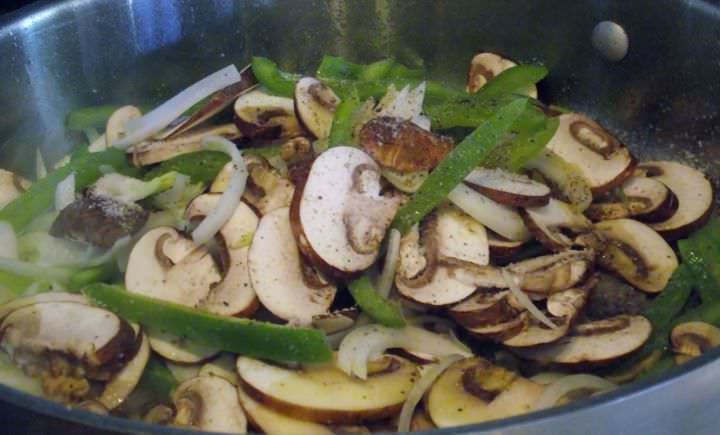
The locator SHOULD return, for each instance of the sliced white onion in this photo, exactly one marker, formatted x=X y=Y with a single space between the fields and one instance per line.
x=40 y=166
x=500 y=218
x=429 y=375
x=230 y=199
x=8 y=241
x=567 y=384
x=65 y=192
x=141 y=128
x=91 y=134
x=524 y=300
x=99 y=144
x=392 y=258
x=35 y=271
x=174 y=194
x=369 y=342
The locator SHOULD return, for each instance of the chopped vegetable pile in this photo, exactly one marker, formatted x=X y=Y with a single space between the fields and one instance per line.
x=361 y=248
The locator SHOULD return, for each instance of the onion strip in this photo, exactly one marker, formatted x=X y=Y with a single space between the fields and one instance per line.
x=65 y=192
x=40 y=166
x=141 y=128
x=418 y=390
x=8 y=240
x=567 y=384
x=392 y=258
x=230 y=199
x=524 y=300
x=369 y=342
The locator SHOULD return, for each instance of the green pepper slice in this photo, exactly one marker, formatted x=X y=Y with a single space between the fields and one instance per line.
x=341 y=132
x=232 y=334
x=382 y=310
x=200 y=166
x=271 y=77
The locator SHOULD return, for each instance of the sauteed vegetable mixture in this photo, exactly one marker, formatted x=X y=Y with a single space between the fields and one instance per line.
x=358 y=250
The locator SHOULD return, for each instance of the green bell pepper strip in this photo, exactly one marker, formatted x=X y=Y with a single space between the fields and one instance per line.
x=14 y=283
x=512 y=80
x=333 y=67
x=382 y=310
x=376 y=70
x=701 y=252
x=40 y=196
x=341 y=132
x=271 y=77
x=89 y=117
x=232 y=334
x=158 y=379
x=400 y=71
x=104 y=272
x=337 y=68
x=200 y=166
x=467 y=155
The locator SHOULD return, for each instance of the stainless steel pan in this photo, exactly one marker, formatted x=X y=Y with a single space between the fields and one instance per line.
x=662 y=100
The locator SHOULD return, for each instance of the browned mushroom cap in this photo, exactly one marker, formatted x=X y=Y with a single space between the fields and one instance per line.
x=338 y=215
x=124 y=382
x=285 y=285
x=692 y=339
x=603 y=160
x=637 y=253
x=262 y=116
x=563 y=308
x=644 y=198
x=474 y=390
x=325 y=394
x=508 y=188
x=694 y=194
x=485 y=307
x=98 y=220
x=597 y=342
x=402 y=146
x=315 y=105
x=148 y=153
x=552 y=273
x=11 y=186
x=234 y=295
x=502 y=250
x=503 y=329
x=486 y=66
x=549 y=224
x=209 y=403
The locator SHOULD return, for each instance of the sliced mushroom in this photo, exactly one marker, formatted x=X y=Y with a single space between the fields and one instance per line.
x=99 y=220
x=336 y=321
x=402 y=146
x=315 y=105
x=339 y=217
x=431 y=260
x=502 y=250
x=501 y=330
x=421 y=422
x=563 y=308
x=408 y=183
x=508 y=188
x=552 y=273
x=124 y=382
x=179 y=349
x=234 y=295
x=325 y=394
x=692 y=339
x=11 y=186
x=550 y=223
x=474 y=390
x=501 y=219
x=484 y=308
x=694 y=194
x=486 y=66
x=272 y=422
x=165 y=265
x=25 y=301
x=285 y=285
x=115 y=126
x=644 y=198
x=637 y=253
x=566 y=179
x=148 y=153
x=604 y=162
x=209 y=404
x=223 y=366
x=596 y=342
x=259 y=115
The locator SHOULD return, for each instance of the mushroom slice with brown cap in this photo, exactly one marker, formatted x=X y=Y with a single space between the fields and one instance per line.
x=115 y=126
x=11 y=186
x=508 y=188
x=25 y=301
x=603 y=161
x=549 y=223
x=325 y=394
x=286 y=286
x=402 y=146
x=151 y=152
x=165 y=265
x=552 y=273
x=179 y=349
x=637 y=253
x=272 y=422
x=502 y=250
x=599 y=341
x=485 y=67
x=485 y=308
x=503 y=329
x=259 y=115
x=339 y=216
x=234 y=295
x=474 y=390
x=315 y=105
x=124 y=382
x=209 y=403
x=694 y=194
x=643 y=198
x=336 y=321
x=692 y=339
